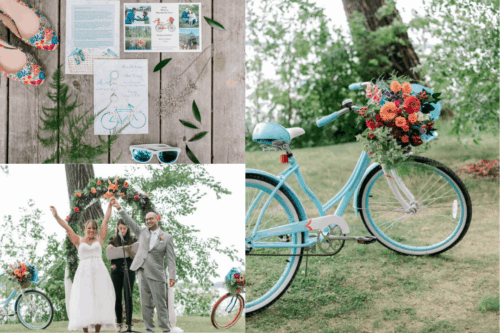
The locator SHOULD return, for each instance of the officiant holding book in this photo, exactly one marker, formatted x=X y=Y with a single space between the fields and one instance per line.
x=118 y=272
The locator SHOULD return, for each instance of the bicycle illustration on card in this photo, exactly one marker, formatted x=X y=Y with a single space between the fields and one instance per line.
x=162 y=26
x=120 y=116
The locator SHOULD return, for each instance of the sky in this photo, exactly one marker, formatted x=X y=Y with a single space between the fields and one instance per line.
x=46 y=185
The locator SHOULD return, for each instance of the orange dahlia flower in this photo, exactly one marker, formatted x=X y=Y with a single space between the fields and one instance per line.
x=406 y=88
x=395 y=86
x=405 y=138
x=98 y=182
x=400 y=121
x=411 y=104
x=388 y=111
x=412 y=118
x=79 y=195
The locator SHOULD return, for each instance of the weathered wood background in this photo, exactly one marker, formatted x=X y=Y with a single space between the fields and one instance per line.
x=219 y=92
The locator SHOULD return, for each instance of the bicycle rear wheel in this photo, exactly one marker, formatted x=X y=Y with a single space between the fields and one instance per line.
x=227 y=310
x=34 y=310
x=443 y=208
x=270 y=270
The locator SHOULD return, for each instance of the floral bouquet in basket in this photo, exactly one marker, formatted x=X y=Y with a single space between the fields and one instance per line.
x=23 y=274
x=234 y=281
x=399 y=116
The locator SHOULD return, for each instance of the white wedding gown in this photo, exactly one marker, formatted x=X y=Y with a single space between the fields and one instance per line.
x=93 y=296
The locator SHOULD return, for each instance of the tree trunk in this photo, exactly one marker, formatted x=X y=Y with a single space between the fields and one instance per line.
x=402 y=57
x=77 y=178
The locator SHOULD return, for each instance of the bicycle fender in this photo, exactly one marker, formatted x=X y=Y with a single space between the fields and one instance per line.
x=285 y=187
x=355 y=201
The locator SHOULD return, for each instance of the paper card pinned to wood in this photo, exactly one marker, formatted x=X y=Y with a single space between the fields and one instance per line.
x=92 y=32
x=121 y=96
x=163 y=27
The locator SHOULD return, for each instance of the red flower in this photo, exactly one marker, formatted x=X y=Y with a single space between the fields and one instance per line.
x=76 y=209
x=411 y=104
x=371 y=124
x=67 y=218
x=98 y=182
x=406 y=128
x=125 y=184
x=79 y=195
x=397 y=102
x=136 y=197
x=405 y=138
x=370 y=153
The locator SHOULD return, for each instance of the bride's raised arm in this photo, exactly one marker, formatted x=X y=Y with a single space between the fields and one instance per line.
x=103 y=233
x=73 y=237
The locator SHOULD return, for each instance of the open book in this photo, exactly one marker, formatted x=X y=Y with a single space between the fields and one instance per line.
x=117 y=252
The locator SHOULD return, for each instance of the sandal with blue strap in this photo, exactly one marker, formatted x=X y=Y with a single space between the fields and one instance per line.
x=19 y=65
x=28 y=24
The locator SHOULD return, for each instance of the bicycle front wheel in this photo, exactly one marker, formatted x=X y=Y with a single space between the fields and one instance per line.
x=171 y=28
x=227 y=310
x=137 y=120
x=442 y=213
x=109 y=121
x=271 y=269
x=34 y=310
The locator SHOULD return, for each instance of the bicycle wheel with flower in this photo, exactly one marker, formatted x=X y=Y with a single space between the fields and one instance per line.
x=229 y=308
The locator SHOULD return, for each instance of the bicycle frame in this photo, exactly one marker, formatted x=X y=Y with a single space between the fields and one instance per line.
x=344 y=196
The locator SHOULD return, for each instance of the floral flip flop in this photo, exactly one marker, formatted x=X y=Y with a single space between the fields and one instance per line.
x=44 y=39
x=31 y=73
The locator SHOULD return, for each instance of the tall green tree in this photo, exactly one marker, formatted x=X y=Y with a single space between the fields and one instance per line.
x=463 y=64
x=313 y=68
x=380 y=39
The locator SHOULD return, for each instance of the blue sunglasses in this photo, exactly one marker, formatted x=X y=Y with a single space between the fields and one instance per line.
x=165 y=153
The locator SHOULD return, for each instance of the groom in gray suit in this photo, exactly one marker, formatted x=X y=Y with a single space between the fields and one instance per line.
x=155 y=247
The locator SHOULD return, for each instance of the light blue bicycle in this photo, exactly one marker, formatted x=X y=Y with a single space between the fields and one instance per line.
x=419 y=207
x=32 y=307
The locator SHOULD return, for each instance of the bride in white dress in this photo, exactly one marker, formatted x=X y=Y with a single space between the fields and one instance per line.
x=92 y=301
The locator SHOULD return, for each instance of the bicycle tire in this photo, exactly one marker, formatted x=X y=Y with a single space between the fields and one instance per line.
x=250 y=308
x=171 y=28
x=104 y=120
x=138 y=121
x=20 y=316
x=451 y=241
x=158 y=29
x=240 y=299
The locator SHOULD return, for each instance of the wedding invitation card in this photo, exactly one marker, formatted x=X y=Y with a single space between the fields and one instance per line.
x=121 y=96
x=163 y=27
x=92 y=32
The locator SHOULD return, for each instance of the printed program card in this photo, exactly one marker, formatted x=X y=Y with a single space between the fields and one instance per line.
x=162 y=27
x=121 y=96
x=92 y=32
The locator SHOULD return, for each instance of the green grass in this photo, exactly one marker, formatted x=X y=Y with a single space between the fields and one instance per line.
x=188 y=324
x=368 y=288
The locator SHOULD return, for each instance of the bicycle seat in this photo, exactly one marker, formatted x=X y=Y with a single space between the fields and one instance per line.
x=268 y=133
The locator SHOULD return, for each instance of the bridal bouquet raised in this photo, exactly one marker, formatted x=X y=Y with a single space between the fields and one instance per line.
x=23 y=274
x=399 y=115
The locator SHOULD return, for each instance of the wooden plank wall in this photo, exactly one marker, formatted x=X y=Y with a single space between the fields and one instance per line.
x=218 y=74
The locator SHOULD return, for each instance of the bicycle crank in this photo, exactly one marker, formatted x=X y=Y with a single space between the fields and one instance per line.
x=359 y=239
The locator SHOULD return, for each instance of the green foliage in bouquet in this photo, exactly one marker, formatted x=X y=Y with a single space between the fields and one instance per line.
x=67 y=130
x=397 y=118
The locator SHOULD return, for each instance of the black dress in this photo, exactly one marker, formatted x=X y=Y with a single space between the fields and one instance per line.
x=118 y=278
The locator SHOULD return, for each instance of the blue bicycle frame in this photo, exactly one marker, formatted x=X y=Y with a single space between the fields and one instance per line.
x=10 y=298
x=344 y=196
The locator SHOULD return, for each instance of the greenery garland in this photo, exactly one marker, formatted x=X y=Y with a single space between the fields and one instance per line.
x=96 y=189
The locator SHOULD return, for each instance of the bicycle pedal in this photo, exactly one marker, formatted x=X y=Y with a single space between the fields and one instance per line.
x=367 y=240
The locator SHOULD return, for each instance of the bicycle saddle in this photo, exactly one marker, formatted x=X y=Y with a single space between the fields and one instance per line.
x=267 y=133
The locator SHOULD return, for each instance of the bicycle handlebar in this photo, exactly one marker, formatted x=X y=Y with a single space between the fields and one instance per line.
x=328 y=119
x=359 y=85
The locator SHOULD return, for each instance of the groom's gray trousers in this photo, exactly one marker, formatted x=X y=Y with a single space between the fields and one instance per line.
x=153 y=294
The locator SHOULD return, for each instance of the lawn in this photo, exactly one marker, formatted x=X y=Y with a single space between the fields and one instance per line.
x=188 y=324
x=368 y=288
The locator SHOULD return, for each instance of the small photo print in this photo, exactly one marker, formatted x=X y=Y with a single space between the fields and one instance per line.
x=138 y=38
x=189 y=39
x=137 y=15
x=189 y=16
